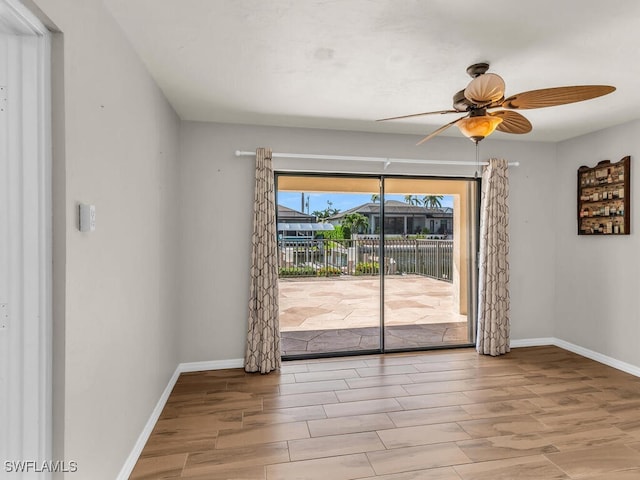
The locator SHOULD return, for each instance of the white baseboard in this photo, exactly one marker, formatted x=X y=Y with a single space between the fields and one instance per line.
x=585 y=352
x=211 y=365
x=599 y=357
x=130 y=463
x=127 y=468
x=532 y=342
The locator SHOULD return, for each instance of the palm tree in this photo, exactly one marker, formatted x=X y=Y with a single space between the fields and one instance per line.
x=412 y=199
x=432 y=201
x=322 y=215
x=375 y=198
x=354 y=223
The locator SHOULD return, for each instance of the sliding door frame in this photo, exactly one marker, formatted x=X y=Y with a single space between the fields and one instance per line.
x=473 y=208
x=346 y=353
x=473 y=239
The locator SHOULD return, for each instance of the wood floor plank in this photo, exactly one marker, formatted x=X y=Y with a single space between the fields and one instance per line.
x=283 y=415
x=415 y=458
x=334 y=445
x=382 y=370
x=350 y=424
x=313 y=387
x=274 y=402
x=506 y=446
x=371 y=393
x=379 y=381
x=422 y=435
x=159 y=467
x=496 y=426
x=362 y=407
x=535 y=467
x=260 y=435
x=500 y=409
x=536 y=413
x=433 y=400
x=326 y=375
x=579 y=438
x=344 y=467
x=216 y=461
x=596 y=460
x=633 y=474
x=428 y=416
x=444 y=473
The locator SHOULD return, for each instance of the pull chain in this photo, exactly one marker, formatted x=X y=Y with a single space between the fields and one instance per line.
x=477 y=159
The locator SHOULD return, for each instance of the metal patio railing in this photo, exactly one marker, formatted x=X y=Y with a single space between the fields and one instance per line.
x=305 y=257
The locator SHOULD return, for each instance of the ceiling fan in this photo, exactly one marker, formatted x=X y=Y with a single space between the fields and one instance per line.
x=486 y=109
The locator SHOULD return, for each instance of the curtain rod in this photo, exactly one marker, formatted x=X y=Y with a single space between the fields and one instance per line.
x=386 y=160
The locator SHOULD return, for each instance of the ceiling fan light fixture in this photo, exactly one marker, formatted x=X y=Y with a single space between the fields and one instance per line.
x=478 y=127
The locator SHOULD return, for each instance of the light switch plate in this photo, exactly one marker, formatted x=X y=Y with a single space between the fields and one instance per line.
x=87 y=218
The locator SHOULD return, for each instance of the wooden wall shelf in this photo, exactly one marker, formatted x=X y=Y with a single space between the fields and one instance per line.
x=603 y=198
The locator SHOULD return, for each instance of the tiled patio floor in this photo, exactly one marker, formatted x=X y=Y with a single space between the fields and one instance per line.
x=342 y=314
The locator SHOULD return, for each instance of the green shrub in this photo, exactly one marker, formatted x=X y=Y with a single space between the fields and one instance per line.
x=297 y=271
x=367 y=268
x=335 y=234
x=329 y=271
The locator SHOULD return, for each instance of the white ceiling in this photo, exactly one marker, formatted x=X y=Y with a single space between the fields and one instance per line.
x=341 y=64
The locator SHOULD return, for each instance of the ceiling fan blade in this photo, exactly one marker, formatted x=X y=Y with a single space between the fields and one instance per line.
x=438 y=131
x=549 y=97
x=439 y=112
x=512 y=122
x=485 y=89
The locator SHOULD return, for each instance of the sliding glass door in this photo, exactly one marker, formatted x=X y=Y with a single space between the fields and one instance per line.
x=429 y=237
x=327 y=250
x=374 y=264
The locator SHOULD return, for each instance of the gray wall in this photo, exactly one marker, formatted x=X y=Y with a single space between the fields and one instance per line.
x=597 y=300
x=115 y=311
x=215 y=211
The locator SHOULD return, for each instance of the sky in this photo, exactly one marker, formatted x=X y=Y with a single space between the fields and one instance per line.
x=341 y=201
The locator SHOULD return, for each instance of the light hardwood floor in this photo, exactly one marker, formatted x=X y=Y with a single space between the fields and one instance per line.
x=537 y=413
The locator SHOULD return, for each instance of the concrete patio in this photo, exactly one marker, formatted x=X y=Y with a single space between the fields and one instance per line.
x=340 y=314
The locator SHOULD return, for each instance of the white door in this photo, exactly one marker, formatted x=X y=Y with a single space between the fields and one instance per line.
x=4 y=255
x=25 y=245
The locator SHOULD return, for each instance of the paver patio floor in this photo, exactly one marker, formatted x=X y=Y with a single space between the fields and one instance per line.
x=342 y=314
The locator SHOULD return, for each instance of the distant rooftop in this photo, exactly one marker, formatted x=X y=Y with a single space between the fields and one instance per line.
x=294 y=215
x=395 y=207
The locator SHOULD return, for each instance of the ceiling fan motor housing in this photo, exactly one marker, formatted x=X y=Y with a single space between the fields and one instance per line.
x=477 y=69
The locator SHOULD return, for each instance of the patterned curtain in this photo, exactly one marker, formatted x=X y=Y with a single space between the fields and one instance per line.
x=493 y=281
x=263 y=338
